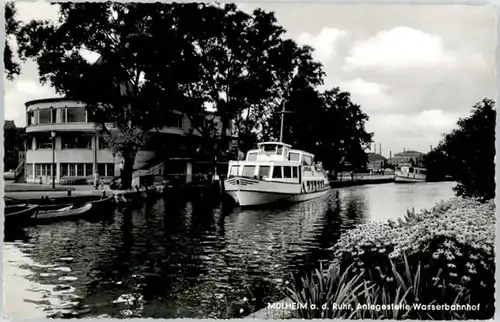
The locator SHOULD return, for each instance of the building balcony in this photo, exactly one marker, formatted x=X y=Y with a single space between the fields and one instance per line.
x=62 y=127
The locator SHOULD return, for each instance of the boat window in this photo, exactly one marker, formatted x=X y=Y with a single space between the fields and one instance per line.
x=410 y=170
x=248 y=171
x=279 y=150
x=252 y=156
x=234 y=170
x=264 y=171
x=307 y=160
x=295 y=172
x=287 y=172
x=294 y=156
x=277 y=172
x=269 y=149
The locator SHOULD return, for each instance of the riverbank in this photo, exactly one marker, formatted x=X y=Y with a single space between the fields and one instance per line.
x=441 y=256
x=362 y=179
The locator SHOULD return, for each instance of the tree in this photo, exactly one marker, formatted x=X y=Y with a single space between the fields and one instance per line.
x=342 y=135
x=11 y=28
x=329 y=125
x=119 y=88
x=241 y=70
x=468 y=152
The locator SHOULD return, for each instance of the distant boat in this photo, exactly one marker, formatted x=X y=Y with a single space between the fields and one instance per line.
x=61 y=212
x=406 y=173
x=19 y=214
x=274 y=172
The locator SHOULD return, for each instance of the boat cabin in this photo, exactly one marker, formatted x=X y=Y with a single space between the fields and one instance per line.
x=277 y=151
x=408 y=168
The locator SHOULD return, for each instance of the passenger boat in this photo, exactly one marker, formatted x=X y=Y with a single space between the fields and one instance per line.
x=275 y=172
x=19 y=214
x=59 y=212
x=406 y=173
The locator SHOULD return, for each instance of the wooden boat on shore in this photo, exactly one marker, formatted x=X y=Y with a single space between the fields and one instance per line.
x=61 y=212
x=19 y=214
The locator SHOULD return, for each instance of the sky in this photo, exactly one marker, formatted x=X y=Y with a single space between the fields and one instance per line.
x=414 y=69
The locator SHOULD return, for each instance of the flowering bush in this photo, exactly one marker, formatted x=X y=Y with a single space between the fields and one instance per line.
x=453 y=243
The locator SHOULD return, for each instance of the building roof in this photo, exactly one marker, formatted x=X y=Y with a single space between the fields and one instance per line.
x=9 y=125
x=49 y=100
x=375 y=157
x=408 y=152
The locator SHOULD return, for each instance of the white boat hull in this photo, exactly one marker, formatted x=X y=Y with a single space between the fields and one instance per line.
x=250 y=192
x=408 y=179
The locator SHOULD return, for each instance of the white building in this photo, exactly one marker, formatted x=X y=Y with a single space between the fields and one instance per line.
x=79 y=150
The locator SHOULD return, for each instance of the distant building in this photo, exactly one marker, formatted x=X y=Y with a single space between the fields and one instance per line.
x=80 y=150
x=375 y=161
x=407 y=156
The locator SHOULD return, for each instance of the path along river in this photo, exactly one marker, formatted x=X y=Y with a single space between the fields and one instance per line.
x=187 y=259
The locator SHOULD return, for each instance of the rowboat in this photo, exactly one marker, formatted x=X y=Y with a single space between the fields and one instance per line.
x=19 y=214
x=61 y=212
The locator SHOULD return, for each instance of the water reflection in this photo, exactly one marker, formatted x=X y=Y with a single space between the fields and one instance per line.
x=194 y=259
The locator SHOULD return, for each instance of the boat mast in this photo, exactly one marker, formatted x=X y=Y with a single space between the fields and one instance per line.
x=282 y=121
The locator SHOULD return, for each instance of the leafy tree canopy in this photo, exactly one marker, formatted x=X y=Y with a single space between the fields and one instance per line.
x=153 y=58
x=468 y=153
x=11 y=28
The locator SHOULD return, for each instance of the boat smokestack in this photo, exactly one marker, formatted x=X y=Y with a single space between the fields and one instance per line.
x=380 y=148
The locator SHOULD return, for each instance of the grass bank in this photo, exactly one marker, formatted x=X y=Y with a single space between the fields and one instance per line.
x=435 y=264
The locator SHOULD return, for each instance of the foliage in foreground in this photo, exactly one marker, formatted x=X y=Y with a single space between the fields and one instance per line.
x=440 y=256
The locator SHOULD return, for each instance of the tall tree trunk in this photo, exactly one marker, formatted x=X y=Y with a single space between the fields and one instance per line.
x=223 y=146
x=128 y=168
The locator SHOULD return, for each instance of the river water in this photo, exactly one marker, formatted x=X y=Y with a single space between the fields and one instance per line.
x=176 y=259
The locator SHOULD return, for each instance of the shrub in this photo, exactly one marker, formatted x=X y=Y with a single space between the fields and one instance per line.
x=444 y=255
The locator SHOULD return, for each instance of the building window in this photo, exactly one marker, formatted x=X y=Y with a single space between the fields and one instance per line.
x=75 y=114
x=90 y=115
x=110 y=170
x=76 y=141
x=43 y=169
x=264 y=171
x=54 y=114
x=31 y=118
x=248 y=171
x=103 y=143
x=43 y=142
x=287 y=172
x=174 y=120
x=29 y=143
x=277 y=172
x=45 y=116
x=64 y=169
x=101 y=169
x=29 y=170
x=80 y=169
x=88 y=169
